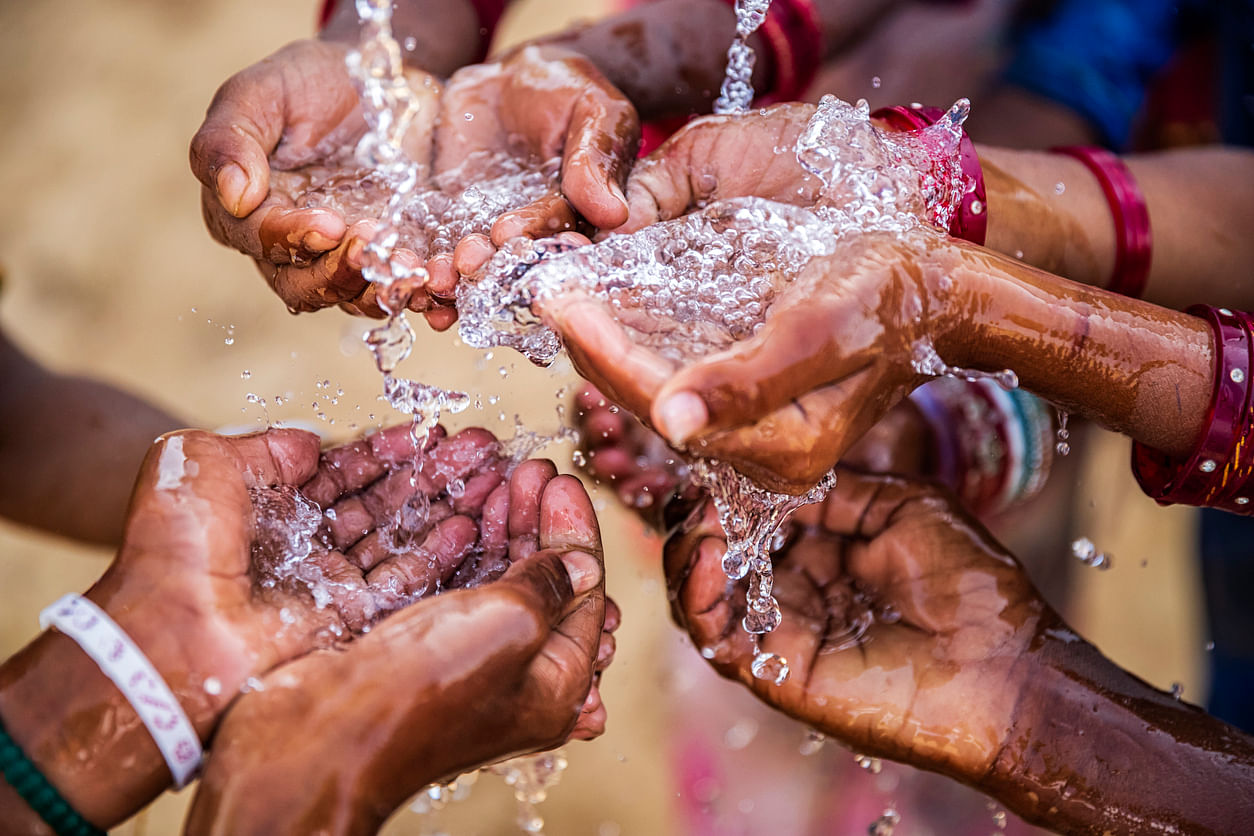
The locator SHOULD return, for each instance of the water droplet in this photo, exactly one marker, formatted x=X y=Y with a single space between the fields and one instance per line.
x=469 y=117
x=876 y=82
x=1060 y=188
x=213 y=686
x=245 y=374
x=770 y=667
x=1177 y=690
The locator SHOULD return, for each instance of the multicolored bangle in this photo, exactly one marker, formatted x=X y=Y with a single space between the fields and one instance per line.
x=1219 y=472
x=1134 y=240
x=993 y=447
x=489 y=13
x=29 y=783
x=793 y=37
x=970 y=222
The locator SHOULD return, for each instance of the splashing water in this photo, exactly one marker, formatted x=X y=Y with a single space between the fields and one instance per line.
x=885 y=824
x=1084 y=551
x=925 y=360
x=532 y=776
x=695 y=285
x=736 y=94
x=1063 y=447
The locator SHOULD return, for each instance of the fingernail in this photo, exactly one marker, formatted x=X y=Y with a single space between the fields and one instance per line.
x=315 y=242
x=584 y=571
x=681 y=416
x=232 y=181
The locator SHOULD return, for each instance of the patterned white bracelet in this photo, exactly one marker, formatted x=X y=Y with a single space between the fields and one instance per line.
x=128 y=667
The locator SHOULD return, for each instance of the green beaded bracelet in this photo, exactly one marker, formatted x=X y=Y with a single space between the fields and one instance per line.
x=43 y=798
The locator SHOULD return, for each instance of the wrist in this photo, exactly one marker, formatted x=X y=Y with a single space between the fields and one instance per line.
x=1161 y=764
x=79 y=731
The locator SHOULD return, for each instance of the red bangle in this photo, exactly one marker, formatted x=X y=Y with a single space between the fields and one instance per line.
x=1134 y=241
x=794 y=44
x=324 y=16
x=970 y=222
x=1217 y=473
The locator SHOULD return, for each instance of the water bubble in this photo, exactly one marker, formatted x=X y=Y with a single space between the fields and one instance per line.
x=1084 y=551
x=876 y=82
x=770 y=667
x=813 y=742
x=411 y=43
x=870 y=764
x=1059 y=188
x=245 y=374
x=885 y=824
x=213 y=686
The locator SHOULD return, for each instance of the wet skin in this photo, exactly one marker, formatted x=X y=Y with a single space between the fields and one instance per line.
x=183 y=586
x=339 y=739
x=971 y=675
x=269 y=124
x=837 y=352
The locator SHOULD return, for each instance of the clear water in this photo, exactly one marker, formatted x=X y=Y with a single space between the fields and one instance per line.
x=692 y=286
x=736 y=94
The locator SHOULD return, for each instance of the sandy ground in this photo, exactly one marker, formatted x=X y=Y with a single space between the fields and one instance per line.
x=111 y=274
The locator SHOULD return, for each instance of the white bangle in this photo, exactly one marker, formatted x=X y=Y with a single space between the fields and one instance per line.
x=128 y=667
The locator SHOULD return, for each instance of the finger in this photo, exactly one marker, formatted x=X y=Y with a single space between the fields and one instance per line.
x=352 y=467
x=395 y=445
x=275 y=231
x=601 y=143
x=350 y=595
x=397 y=532
x=613 y=616
x=277 y=456
x=402 y=578
x=592 y=717
x=352 y=518
x=791 y=355
x=627 y=373
x=441 y=277
x=441 y=319
x=526 y=490
x=230 y=152
x=332 y=278
x=542 y=218
x=472 y=252
x=567 y=518
x=605 y=651
x=494 y=524
x=473 y=497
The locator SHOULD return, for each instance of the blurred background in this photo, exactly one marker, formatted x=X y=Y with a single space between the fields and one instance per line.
x=109 y=273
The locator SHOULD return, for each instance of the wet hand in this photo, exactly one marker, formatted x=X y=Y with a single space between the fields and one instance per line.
x=268 y=130
x=718 y=158
x=905 y=625
x=450 y=683
x=837 y=351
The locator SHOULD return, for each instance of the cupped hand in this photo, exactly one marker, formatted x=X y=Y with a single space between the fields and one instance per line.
x=340 y=738
x=274 y=128
x=841 y=345
x=905 y=624
x=197 y=584
x=719 y=158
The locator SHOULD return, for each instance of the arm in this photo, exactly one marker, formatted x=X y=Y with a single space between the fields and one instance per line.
x=1136 y=756
x=669 y=57
x=445 y=33
x=51 y=425
x=973 y=676
x=1197 y=214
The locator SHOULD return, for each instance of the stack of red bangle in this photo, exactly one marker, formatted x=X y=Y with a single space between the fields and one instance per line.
x=1133 y=238
x=1219 y=473
x=970 y=222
